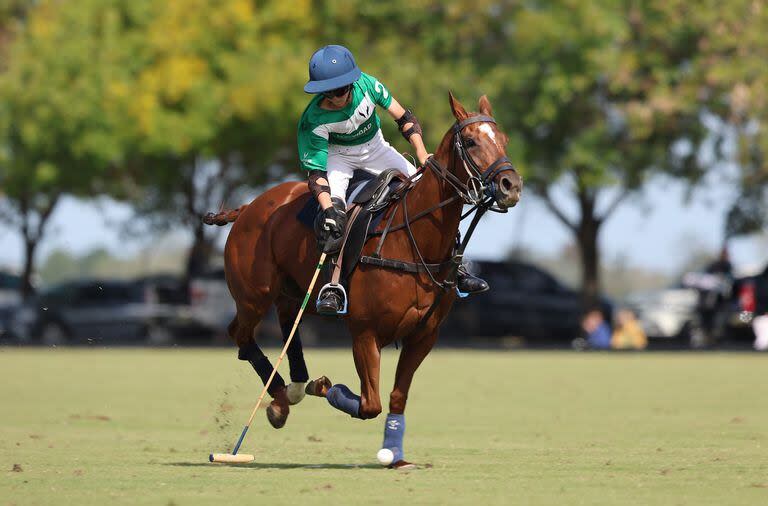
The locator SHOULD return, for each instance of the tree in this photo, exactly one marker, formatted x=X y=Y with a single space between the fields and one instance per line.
x=735 y=90
x=12 y=12
x=53 y=133
x=597 y=97
x=206 y=108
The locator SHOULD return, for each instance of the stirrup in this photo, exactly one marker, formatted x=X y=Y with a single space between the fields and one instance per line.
x=340 y=288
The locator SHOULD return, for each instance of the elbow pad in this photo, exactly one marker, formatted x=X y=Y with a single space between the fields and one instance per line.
x=408 y=117
x=315 y=187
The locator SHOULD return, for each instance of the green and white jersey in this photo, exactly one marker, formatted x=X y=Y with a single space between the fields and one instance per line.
x=355 y=124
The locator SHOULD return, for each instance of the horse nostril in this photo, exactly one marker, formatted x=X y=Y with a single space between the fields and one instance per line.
x=506 y=184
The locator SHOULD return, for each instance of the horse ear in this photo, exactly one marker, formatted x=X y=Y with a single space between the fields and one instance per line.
x=458 y=110
x=484 y=105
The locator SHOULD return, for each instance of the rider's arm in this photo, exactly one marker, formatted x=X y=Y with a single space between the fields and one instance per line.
x=397 y=112
x=313 y=157
x=318 y=185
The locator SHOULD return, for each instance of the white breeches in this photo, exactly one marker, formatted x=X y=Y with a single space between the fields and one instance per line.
x=374 y=156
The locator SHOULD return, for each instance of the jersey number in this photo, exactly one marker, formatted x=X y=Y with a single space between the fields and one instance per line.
x=380 y=89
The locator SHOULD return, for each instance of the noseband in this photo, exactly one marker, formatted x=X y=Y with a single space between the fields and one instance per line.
x=480 y=183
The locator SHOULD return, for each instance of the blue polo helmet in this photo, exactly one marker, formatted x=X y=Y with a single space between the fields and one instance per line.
x=331 y=67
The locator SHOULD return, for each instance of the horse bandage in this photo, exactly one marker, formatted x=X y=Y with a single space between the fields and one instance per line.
x=408 y=117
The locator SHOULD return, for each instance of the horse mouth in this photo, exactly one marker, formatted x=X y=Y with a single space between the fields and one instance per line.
x=508 y=200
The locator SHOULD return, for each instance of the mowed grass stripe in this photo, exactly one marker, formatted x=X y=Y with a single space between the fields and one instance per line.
x=134 y=426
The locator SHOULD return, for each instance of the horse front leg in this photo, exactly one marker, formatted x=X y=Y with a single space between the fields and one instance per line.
x=367 y=356
x=411 y=357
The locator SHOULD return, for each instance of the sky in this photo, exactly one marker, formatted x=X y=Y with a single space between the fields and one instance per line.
x=656 y=230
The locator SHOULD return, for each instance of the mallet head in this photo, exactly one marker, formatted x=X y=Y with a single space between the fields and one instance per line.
x=228 y=458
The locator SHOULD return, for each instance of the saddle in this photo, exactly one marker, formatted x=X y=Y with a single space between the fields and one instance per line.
x=368 y=195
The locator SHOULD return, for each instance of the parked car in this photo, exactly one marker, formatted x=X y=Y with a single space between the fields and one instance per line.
x=524 y=301
x=213 y=306
x=107 y=312
x=210 y=300
x=9 y=289
x=9 y=300
x=668 y=313
x=749 y=294
x=674 y=313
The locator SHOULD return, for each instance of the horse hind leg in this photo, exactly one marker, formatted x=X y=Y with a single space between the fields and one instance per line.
x=243 y=334
x=287 y=311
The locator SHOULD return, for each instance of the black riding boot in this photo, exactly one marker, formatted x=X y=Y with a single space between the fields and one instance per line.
x=330 y=300
x=331 y=303
x=469 y=284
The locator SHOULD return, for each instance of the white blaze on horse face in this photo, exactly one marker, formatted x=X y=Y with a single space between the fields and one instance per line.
x=487 y=130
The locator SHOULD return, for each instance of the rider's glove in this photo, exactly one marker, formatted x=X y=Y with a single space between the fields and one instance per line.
x=333 y=222
x=330 y=228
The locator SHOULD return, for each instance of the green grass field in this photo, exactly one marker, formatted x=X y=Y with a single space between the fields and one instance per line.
x=136 y=426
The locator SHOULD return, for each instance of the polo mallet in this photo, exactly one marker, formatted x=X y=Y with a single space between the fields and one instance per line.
x=234 y=457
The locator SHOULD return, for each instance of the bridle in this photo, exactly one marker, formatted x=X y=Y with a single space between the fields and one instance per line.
x=480 y=188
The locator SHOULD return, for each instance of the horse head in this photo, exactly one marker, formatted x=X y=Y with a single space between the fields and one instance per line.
x=478 y=158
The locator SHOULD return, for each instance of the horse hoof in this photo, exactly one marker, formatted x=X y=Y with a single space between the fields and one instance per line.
x=277 y=411
x=402 y=465
x=319 y=387
x=295 y=393
x=276 y=416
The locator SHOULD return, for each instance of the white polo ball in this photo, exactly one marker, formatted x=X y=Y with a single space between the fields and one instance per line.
x=385 y=456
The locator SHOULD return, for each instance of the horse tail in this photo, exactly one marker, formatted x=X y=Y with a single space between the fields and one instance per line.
x=223 y=217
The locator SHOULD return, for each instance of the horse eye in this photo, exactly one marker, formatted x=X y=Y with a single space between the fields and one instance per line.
x=469 y=142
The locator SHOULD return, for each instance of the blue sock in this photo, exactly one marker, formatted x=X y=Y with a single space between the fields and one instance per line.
x=342 y=398
x=394 y=431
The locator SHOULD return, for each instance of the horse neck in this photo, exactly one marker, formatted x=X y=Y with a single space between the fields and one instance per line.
x=436 y=233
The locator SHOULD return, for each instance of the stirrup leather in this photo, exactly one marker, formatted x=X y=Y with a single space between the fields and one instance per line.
x=340 y=288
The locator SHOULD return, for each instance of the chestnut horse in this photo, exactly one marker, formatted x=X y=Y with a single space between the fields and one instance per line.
x=270 y=258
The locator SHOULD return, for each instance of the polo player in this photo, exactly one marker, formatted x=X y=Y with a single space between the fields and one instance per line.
x=340 y=132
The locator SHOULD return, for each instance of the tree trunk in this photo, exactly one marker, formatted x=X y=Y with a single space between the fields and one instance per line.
x=30 y=245
x=199 y=253
x=587 y=232
x=199 y=198
x=32 y=231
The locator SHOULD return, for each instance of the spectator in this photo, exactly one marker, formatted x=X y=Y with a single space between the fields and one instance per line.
x=714 y=287
x=628 y=334
x=597 y=329
x=722 y=265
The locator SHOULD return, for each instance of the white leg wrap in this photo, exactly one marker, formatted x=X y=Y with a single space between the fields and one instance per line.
x=295 y=392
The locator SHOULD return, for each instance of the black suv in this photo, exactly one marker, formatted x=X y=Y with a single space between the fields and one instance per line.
x=524 y=301
x=149 y=310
